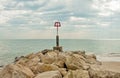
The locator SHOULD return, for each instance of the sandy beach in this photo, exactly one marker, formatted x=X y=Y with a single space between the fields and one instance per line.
x=111 y=66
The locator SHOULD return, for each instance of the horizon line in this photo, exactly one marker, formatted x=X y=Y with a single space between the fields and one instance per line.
x=61 y=38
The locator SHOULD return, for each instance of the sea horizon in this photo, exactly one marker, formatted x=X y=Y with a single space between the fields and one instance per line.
x=105 y=50
x=60 y=39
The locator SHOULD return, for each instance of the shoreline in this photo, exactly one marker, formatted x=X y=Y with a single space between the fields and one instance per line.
x=106 y=58
x=54 y=63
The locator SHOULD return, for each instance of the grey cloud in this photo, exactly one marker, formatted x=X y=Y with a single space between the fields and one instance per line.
x=41 y=15
x=25 y=4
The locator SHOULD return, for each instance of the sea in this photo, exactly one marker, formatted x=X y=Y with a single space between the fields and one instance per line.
x=105 y=50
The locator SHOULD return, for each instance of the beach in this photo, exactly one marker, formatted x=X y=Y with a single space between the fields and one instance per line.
x=111 y=66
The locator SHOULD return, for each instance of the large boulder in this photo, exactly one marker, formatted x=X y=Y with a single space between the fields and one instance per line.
x=41 y=67
x=29 y=60
x=91 y=59
x=63 y=71
x=60 y=60
x=49 y=74
x=49 y=57
x=54 y=57
x=16 y=71
x=75 y=61
x=77 y=74
x=96 y=71
x=103 y=74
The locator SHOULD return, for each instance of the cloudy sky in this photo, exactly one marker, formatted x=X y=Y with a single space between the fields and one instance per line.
x=80 y=19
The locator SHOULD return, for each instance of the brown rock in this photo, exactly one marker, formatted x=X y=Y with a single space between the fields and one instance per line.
x=22 y=61
x=49 y=74
x=29 y=60
x=60 y=60
x=16 y=71
x=82 y=53
x=45 y=51
x=96 y=71
x=30 y=56
x=103 y=74
x=91 y=59
x=33 y=61
x=63 y=71
x=41 y=67
x=49 y=57
x=55 y=64
x=77 y=74
x=74 y=61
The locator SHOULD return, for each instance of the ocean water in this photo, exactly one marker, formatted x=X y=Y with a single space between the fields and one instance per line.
x=104 y=49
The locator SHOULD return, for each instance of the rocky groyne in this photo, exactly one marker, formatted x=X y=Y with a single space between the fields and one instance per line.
x=55 y=64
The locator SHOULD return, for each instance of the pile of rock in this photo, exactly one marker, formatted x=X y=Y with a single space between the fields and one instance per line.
x=54 y=64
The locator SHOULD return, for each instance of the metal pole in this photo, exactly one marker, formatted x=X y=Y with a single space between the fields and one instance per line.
x=57 y=38
x=57 y=30
x=57 y=41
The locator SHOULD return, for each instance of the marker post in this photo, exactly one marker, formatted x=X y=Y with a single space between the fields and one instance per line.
x=57 y=25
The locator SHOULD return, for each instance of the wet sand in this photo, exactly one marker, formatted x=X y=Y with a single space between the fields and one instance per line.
x=111 y=66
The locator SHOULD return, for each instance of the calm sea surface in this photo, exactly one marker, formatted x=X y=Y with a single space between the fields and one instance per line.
x=9 y=49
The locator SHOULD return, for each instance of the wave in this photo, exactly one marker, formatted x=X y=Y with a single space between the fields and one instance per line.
x=109 y=57
x=114 y=54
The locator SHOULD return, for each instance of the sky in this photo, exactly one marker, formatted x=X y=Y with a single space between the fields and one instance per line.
x=80 y=19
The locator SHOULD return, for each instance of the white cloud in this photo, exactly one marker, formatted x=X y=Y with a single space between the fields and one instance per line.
x=103 y=24
x=72 y=18
x=105 y=13
x=79 y=18
x=2 y=3
x=105 y=7
x=36 y=34
x=6 y=15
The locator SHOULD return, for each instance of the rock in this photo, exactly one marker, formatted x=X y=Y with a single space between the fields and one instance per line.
x=52 y=54
x=55 y=64
x=77 y=74
x=22 y=61
x=16 y=71
x=60 y=60
x=54 y=57
x=49 y=74
x=30 y=56
x=49 y=57
x=103 y=74
x=74 y=61
x=86 y=67
x=41 y=67
x=63 y=71
x=45 y=51
x=96 y=71
x=69 y=74
x=18 y=58
x=33 y=61
x=59 y=63
x=91 y=59
x=82 y=53
x=29 y=60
